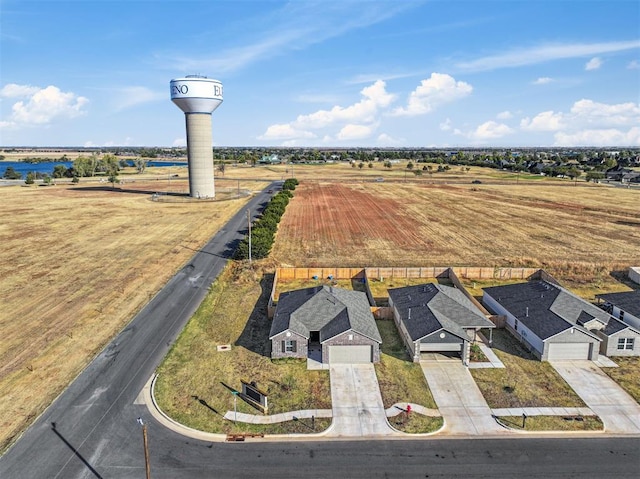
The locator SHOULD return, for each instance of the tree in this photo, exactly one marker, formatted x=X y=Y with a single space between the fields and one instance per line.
x=221 y=168
x=11 y=174
x=361 y=165
x=370 y=165
x=574 y=174
x=595 y=176
x=409 y=166
x=59 y=171
x=31 y=178
x=387 y=164
x=140 y=164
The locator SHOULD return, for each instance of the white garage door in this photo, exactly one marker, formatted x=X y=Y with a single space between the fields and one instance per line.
x=561 y=351
x=432 y=347
x=356 y=354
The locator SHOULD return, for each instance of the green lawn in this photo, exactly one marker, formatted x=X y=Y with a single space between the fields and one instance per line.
x=525 y=381
x=194 y=380
x=627 y=375
x=403 y=381
x=553 y=423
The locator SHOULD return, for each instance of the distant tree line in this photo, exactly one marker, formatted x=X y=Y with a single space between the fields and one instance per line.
x=263 y=230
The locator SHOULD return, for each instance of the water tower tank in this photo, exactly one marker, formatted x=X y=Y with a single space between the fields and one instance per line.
x=198 y=97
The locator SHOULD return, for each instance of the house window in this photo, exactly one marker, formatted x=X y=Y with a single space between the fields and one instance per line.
x=289 y=346
x=515 y=325
x=621 y=316
x=625 y=343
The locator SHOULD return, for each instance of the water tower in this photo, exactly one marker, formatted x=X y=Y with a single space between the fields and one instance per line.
x=197 y=96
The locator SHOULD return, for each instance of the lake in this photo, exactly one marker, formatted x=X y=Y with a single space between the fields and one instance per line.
x=46 y=167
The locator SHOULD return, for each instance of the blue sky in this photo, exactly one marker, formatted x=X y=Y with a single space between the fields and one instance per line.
x=326 y=74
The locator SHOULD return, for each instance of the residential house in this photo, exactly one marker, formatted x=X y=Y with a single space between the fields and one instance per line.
x=334 y=321
x=552 y=322
x=623 y=306
x=433 y=318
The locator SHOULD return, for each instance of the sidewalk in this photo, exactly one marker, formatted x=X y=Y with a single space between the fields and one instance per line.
x=494 y=361
x=544 y=411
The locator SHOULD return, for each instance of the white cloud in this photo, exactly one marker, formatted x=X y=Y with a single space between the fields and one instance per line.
x=545 y=121
x=490 y=130
x=41 y=105
x=439 y=88
x=504 y=115
x=375 y=97
x=545 y=53
x=357 y=121
x=284 y=131
x=179 y=143
x=593 y=113
x=542 y=81
x=135 y=95
x=589 y=123
x=12 y=90
x=599 y=137
x=355 y=132
x=445 y=125
x=633 y=65
x=593 y=64
x=388 y=140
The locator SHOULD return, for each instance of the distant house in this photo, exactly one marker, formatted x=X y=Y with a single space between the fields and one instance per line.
x=623 y=306
x=336 y=321
x=270 y=160
x=624 y=175
x=435 y=318
x=556 y=324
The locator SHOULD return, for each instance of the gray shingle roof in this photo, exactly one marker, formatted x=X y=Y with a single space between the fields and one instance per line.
x=545 y=308
x=628 y=301
x=427 y=308
x=329 y=310
x=614 y=326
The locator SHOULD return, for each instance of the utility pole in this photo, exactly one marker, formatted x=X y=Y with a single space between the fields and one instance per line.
x=249 y=221
x=146 y=448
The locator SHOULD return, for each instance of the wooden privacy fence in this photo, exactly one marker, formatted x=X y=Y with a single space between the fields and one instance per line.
x=467 y=272
x=441 y=272
x=322 y=273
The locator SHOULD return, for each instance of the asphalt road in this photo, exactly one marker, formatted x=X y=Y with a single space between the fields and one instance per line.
x=91 y=431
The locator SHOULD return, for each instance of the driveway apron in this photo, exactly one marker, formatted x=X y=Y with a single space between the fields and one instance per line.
x=357 y=404
x=617 y=409
x=459 y=400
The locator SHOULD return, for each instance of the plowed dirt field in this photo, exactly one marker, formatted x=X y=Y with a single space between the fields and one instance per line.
x=333 y=224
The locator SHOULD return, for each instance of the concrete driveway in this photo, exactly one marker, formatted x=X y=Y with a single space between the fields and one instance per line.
x=357 y=404
x=619 y=412
x=459 y=400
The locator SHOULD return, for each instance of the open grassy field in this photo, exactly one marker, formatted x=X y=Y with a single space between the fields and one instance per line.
x=76 y=263
x=575 y=232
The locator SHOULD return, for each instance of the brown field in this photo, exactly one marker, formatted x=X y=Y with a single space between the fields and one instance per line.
x=76 y=263
x=570 y=230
